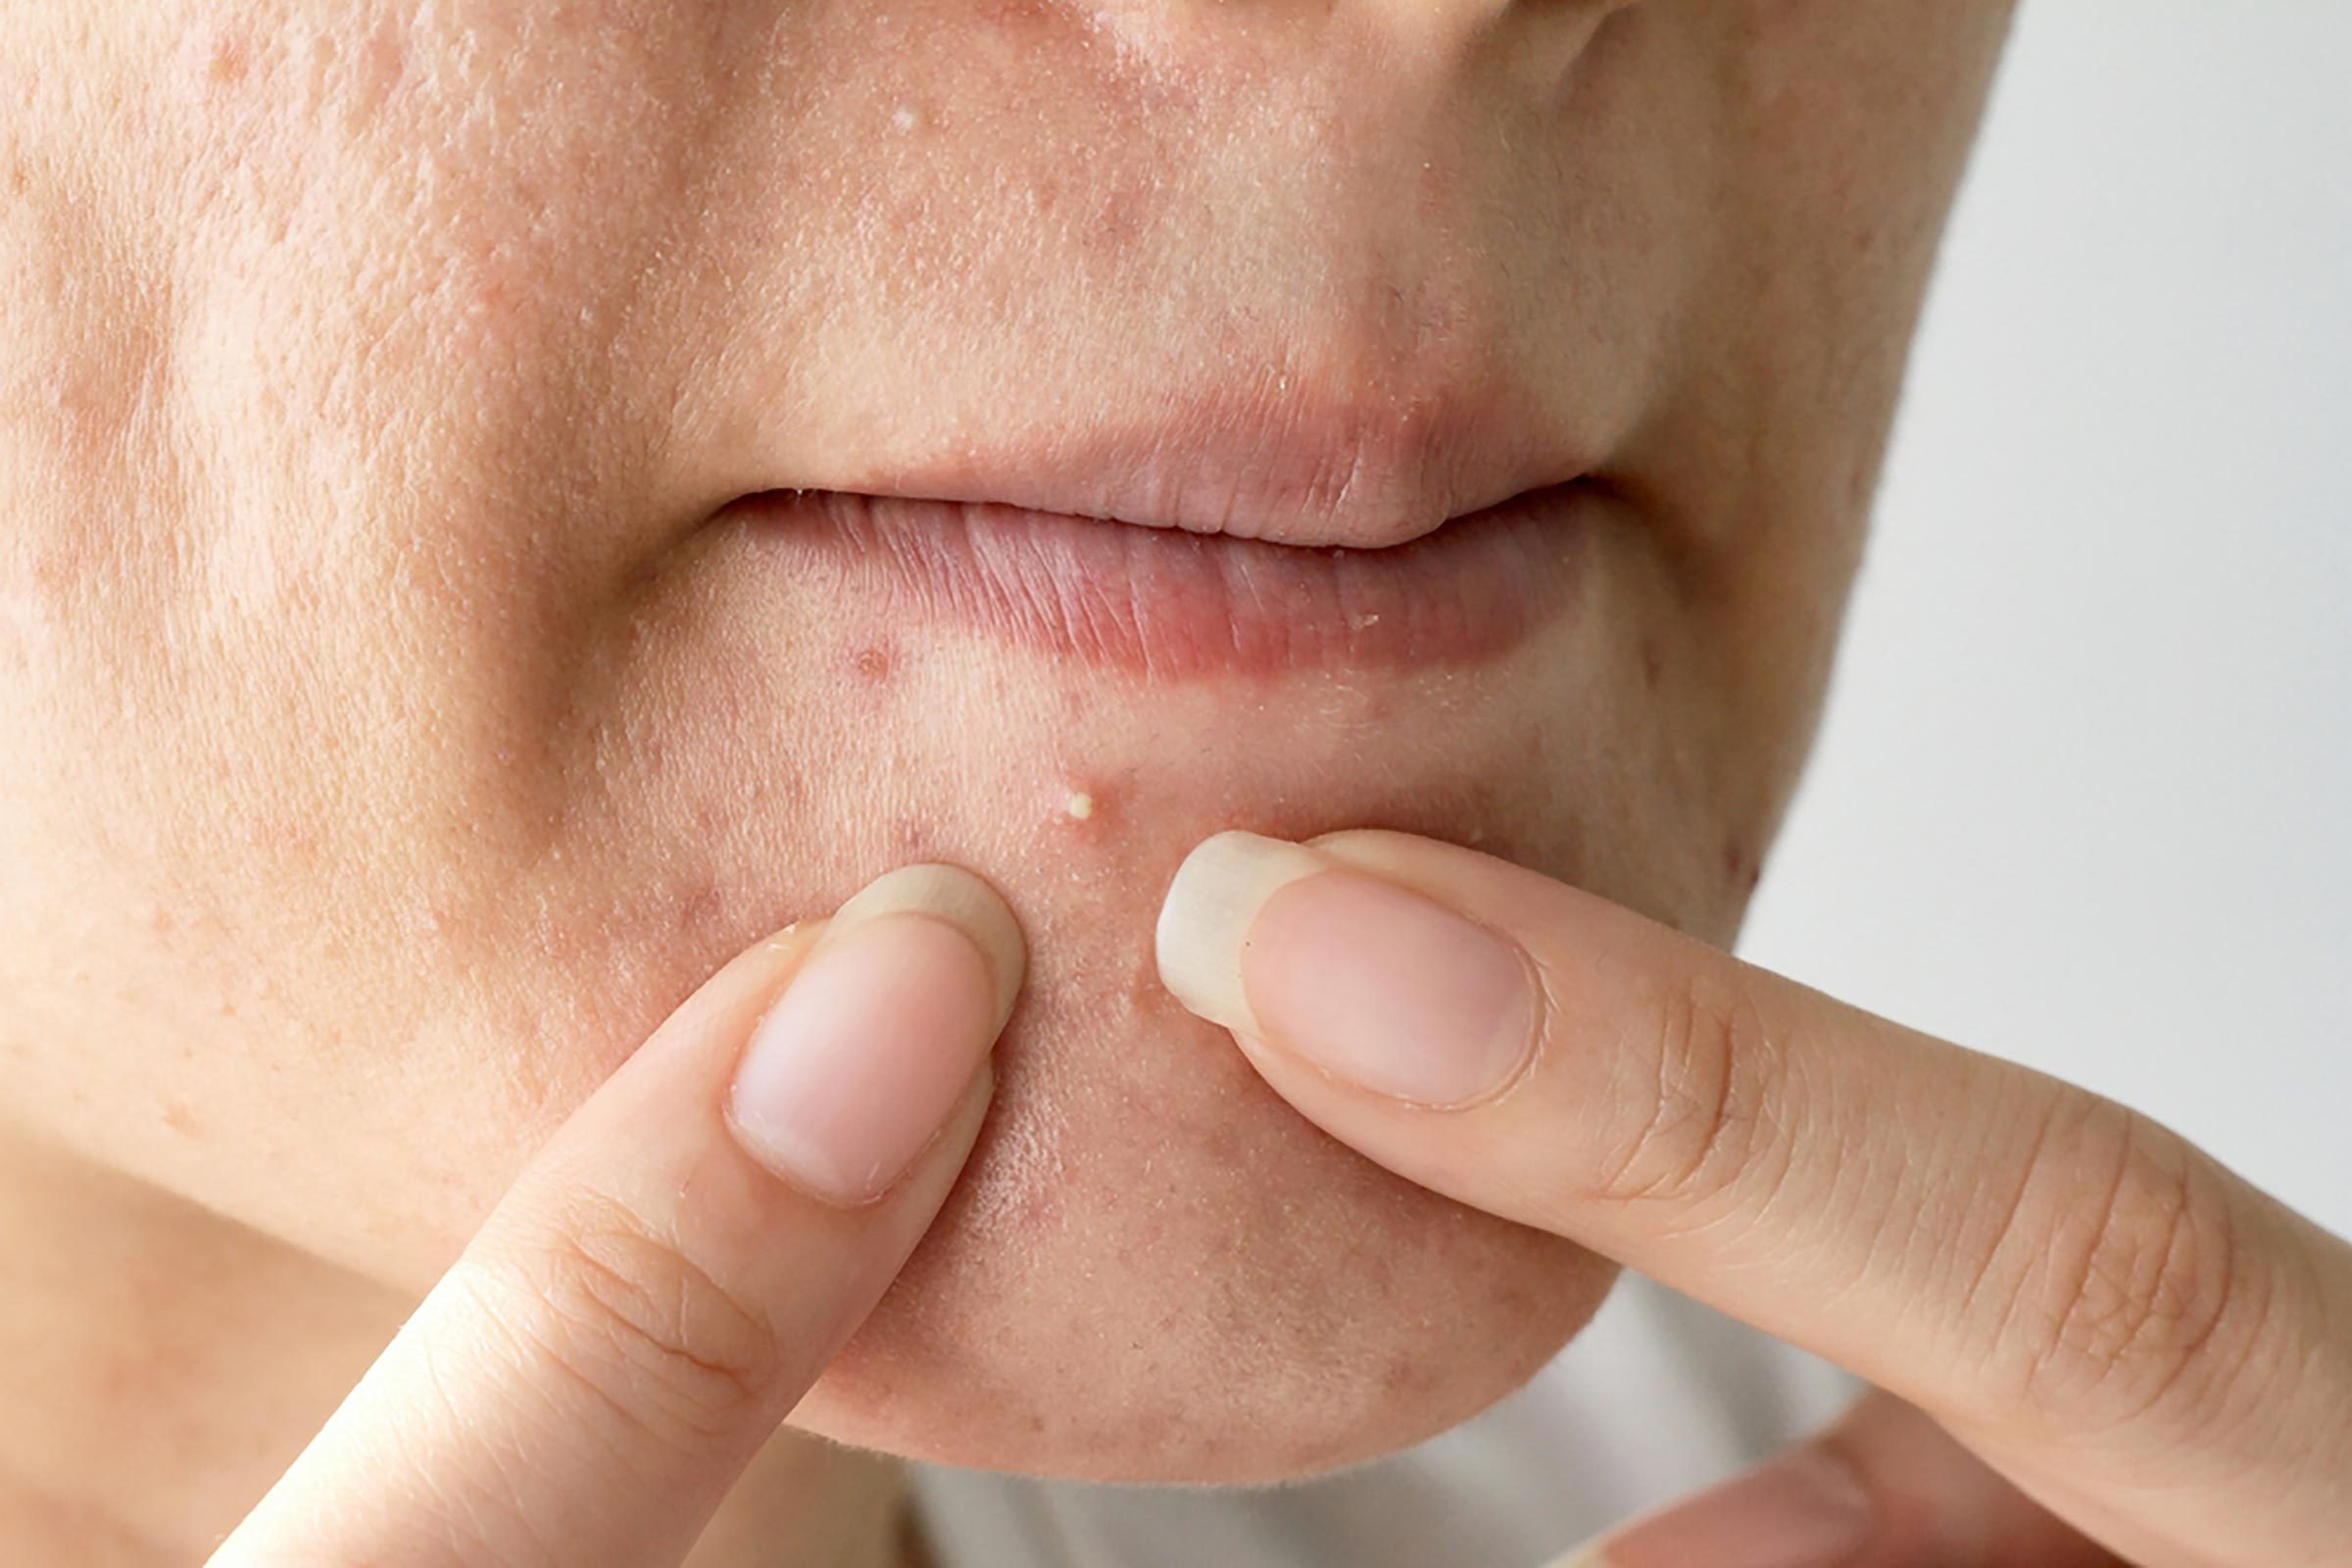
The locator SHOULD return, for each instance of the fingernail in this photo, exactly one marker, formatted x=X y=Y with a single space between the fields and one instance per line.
x=870 y=1048
x=1804 y=1510
x=1367 y=979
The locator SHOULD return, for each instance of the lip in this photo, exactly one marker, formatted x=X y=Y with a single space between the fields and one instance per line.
x=1169 y=603
x=1298 y=460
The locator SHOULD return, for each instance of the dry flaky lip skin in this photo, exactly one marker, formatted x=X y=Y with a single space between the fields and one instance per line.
x=1174 y=604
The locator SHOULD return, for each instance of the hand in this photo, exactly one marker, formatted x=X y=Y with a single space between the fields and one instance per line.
x=680 y=1262
x=2092 y=1338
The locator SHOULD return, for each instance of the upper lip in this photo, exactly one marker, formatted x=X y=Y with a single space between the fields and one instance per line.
x=1363 y=468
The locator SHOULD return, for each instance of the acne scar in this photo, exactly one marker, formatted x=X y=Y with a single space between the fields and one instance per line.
x=227 y=64
x=215 y=58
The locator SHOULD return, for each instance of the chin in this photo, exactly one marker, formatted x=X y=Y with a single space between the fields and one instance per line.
x=1155 y=1269
x=1205 y=1290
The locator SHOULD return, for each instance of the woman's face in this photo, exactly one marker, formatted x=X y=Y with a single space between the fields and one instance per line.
x=399 y=713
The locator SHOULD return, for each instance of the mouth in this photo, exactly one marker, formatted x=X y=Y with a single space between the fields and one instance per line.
x=1171 y=604
x=1253 y=527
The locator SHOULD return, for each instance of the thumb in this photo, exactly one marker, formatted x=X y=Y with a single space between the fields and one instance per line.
x=679 y=1264
x=1884 y=1487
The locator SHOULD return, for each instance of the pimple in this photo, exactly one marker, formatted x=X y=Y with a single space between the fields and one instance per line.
x=1075 y=801
x=872 y=662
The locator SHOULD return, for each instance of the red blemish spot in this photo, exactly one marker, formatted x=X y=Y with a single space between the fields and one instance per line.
x=216 y=58
x=872 y=663
x=1741 y=868
x=1078 y=800
x=702 y=908
x=1653 y=663
x=1122 y=217
x=1020 y=15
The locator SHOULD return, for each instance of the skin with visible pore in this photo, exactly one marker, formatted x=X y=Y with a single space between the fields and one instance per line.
x=399 y=720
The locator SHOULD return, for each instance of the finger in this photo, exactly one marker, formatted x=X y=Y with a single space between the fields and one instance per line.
x=2110 y=1317
x=1884 y=1487
x=680 y=1262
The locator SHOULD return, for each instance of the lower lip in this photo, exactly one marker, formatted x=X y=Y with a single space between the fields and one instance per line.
x=1165 y=603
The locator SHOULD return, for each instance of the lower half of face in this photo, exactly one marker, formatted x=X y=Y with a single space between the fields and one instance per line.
x=441 y=639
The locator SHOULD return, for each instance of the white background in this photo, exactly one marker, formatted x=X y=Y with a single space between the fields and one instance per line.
x=2083 y=796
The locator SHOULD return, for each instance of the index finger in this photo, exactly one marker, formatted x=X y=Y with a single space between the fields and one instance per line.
x=680 y=1263
x=2108 y=1315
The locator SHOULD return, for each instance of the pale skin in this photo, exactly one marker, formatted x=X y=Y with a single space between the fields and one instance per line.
x=398 y=719
x=2098 y=1345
